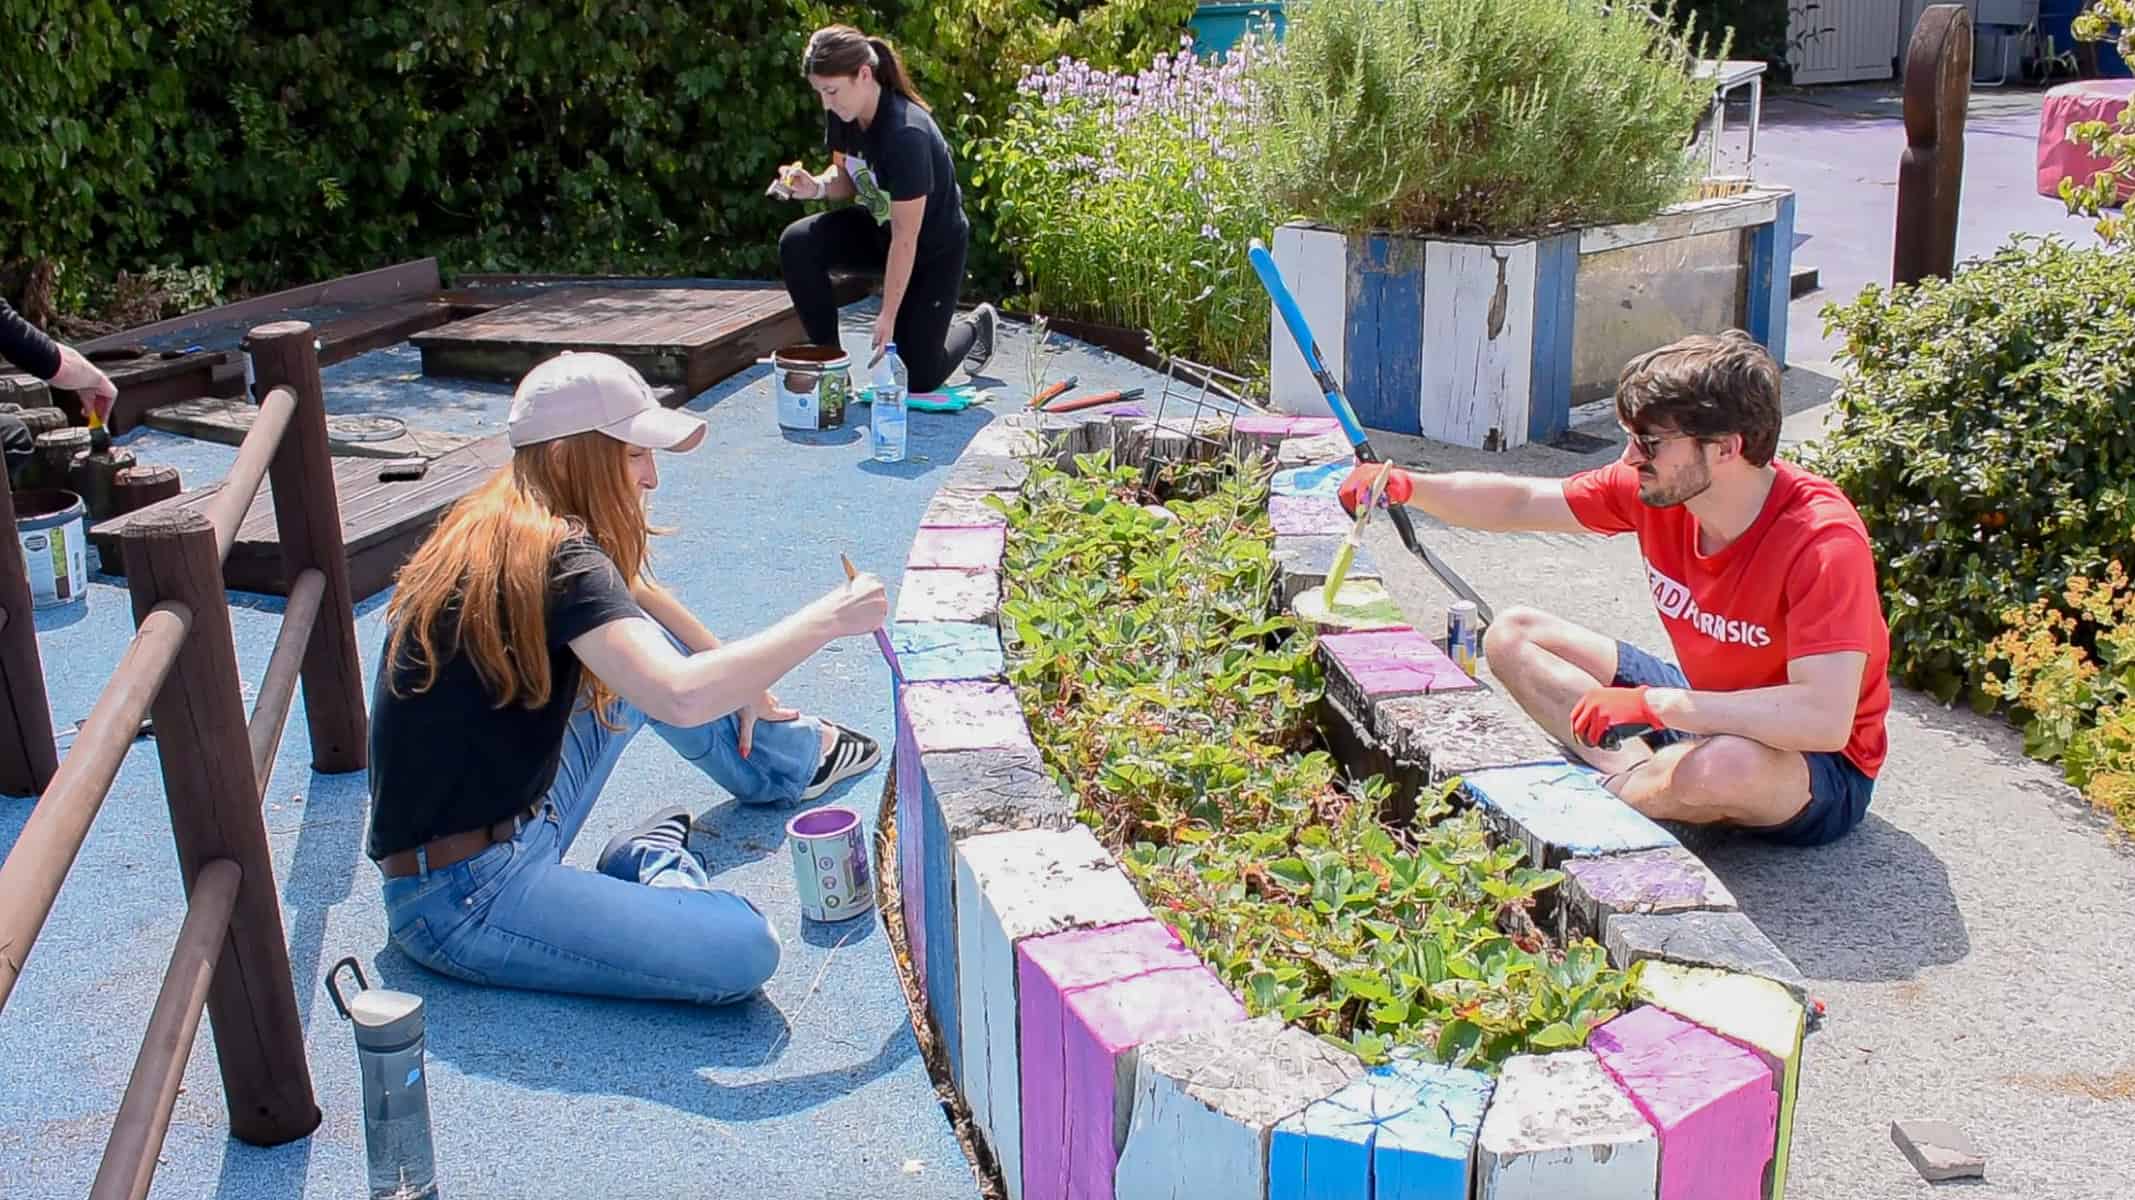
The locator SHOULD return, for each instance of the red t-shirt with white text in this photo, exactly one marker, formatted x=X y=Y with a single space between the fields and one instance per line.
x=1801 y=580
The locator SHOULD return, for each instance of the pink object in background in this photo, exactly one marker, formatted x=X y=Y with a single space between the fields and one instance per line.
x=2072 y=104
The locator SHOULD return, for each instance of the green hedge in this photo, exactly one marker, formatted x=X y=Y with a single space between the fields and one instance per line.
x=289 y=142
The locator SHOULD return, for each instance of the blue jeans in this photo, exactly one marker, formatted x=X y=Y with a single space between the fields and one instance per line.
x=647 y=925
x=1838 y=791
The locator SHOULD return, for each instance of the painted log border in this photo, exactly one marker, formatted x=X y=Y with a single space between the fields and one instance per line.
x=1097 y=1057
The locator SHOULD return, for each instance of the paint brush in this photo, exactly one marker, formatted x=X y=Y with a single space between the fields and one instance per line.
x=882 y=637
x=1346 y=553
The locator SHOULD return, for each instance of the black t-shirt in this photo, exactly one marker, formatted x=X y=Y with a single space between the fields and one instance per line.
x=447 y=760
x=903 y=156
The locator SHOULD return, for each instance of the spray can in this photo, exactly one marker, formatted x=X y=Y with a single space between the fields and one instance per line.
x=396 y=1089
x=1464 y=635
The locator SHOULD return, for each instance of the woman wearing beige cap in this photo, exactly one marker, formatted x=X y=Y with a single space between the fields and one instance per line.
x=525 y=647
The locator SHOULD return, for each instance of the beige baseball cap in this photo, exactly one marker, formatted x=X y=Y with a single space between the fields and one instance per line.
x=590 y=392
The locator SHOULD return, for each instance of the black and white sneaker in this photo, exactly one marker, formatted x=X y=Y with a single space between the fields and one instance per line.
x=985 y=324
x=667 y=829
x=849 y=755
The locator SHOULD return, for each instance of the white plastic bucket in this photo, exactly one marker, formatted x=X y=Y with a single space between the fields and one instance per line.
x=48 y=524
x=813 y=384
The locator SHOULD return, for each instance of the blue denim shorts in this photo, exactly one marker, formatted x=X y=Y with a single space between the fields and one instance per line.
x=1838 y=791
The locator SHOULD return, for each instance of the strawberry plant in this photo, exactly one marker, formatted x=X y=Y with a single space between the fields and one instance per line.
x=1182 y=715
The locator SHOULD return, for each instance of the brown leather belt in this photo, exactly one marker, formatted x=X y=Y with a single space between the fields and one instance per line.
x=456 y=848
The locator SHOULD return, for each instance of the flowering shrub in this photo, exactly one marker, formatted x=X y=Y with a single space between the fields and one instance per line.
x=1480 y=117
x=2071 y=670
x=1126 y=199
x=1182 y=716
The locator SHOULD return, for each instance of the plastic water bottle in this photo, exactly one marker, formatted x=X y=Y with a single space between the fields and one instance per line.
x=886 y=426
x=396 y=1092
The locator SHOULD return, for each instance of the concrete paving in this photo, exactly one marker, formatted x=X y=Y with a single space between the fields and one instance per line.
x=813 y=1089
x=1971 y=937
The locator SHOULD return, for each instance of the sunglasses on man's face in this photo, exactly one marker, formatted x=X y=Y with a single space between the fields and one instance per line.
x=1649 y=444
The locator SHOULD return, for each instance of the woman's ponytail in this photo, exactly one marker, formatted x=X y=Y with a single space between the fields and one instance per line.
x=890 y=72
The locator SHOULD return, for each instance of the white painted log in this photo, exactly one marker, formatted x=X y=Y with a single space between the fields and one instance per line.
x=1559 y=1127
x=1204 y=1107
x=1010 y=886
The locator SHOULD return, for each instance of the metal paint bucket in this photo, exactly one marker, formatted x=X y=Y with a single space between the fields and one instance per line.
x=813 y=384
x=830 y=863
x=48 y=524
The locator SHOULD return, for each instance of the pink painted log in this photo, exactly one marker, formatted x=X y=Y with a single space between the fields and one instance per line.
x=1087 y=998
x=1710 y=1102
x=1308 y=515
x=970 y=548
x=1389 y=663
x=964 y=715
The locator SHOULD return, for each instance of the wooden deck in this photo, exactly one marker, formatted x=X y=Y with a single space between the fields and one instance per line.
x=381 y=523
x=683 y=339
x=686 y=337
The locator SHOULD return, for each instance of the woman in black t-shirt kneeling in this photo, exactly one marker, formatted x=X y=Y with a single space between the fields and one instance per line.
x=909 y=226
x=526 y=646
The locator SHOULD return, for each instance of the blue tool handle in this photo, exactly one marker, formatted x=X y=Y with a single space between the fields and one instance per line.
x=1301 y=333
x=1338 y=404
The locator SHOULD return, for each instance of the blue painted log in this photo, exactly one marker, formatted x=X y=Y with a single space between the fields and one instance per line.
x=1405 y=1131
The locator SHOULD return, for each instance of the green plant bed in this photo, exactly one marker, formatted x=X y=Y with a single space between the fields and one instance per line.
x=1184 y=718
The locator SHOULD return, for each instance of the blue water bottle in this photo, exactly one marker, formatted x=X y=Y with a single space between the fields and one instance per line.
x=886 y=426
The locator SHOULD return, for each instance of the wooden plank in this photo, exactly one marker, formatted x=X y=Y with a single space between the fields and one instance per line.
x=376 y=328
x=143 y=383
x=1478 y=342
x=381 y=522
x=1687 y=220
x=226 y=420
x=417 y=277
x=692 y=337
x=1315 y=263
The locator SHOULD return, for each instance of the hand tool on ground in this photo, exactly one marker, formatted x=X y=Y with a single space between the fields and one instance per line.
x=1294 y=317
x=1051 y=390
x=1092 y=401
x=882 y=638
x=1346 y=553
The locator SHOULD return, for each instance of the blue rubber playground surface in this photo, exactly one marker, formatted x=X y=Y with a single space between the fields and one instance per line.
x=814 y=1089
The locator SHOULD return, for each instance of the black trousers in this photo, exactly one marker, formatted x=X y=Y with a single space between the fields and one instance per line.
x=18 y=443
x=929 y=338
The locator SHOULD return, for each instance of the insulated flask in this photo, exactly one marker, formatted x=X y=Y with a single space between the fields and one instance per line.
x=396 y=1092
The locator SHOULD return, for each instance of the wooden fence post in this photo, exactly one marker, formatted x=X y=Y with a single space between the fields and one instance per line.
x=307 y=516
x=28 y=756
x=215 y=813
x=1938 y=84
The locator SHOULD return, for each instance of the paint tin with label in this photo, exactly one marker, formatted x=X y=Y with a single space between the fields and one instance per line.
x=829 y=847
x=1464 y=635
x=812 y=384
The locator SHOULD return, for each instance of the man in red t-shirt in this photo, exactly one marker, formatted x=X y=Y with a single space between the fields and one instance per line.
x=1763 y=578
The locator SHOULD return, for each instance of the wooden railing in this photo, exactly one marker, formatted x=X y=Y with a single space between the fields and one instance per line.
x=181 y=670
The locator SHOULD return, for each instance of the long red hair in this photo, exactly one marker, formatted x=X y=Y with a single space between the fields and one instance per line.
x=479 y=585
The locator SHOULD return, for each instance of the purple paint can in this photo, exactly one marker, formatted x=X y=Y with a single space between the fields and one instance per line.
x=830 y=863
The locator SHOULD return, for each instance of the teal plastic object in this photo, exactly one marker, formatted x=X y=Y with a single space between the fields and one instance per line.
x=1219 y=27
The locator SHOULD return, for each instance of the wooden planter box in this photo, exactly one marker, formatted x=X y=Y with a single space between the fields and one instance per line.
x=1488 y=344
